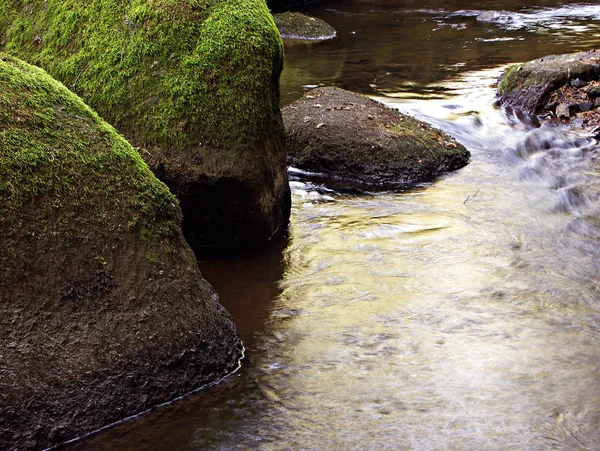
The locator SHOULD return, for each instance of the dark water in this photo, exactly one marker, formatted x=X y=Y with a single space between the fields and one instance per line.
x=403 y=46
x=463 y=314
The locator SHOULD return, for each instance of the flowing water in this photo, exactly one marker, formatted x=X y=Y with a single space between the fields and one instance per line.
x=462 y=314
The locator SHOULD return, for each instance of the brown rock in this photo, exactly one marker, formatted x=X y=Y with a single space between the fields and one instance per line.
x=364 y=141
x=563 y=110
x=104 y=312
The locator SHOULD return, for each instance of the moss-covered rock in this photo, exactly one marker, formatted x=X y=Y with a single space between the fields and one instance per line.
x=352 y=137
x=529 y=85
x=193 y=84
x=296 y=27
x=103 y=311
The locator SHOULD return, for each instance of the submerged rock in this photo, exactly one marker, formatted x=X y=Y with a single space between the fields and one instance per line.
x=555 y=86
x=352 y=137
x=193 y=84
x=104 y=312
x=501 y=17
x=295 y=27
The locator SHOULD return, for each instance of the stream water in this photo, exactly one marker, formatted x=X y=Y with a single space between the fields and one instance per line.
x=462 y=314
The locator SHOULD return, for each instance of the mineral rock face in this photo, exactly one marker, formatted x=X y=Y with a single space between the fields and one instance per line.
x=564 y=87
x=347 y=136
x=296 y=27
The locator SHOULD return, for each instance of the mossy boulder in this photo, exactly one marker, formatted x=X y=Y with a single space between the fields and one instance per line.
x=295 y=27
x=192 y=84
x=529 y=86
x=104 y=312
x=352 y=137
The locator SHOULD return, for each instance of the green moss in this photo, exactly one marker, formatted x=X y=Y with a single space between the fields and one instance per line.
x=166 y=73
x=61 y=165
x=509 y=79
x=515 y=78
x=518 y=77
x=419 y=140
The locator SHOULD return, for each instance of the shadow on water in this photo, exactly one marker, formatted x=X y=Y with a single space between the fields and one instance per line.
x=247 y=283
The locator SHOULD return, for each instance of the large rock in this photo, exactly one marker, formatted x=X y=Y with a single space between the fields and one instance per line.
x=529 y=86
x=103 y=311
x=193 y=84
x=352 y=137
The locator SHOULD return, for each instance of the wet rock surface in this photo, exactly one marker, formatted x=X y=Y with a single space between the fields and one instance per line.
x=103 y=311
x=499 y=17
x=563 y=88
x=296 y=27
x=351 y=137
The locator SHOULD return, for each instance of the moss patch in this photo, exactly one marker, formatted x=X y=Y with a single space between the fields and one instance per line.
x=509 y=82
x=193 y=84
x=298 y=27
x=57 y=154
x=167 y=73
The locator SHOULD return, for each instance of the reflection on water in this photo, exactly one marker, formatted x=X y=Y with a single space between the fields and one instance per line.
x=389 y=46
x=462 y=314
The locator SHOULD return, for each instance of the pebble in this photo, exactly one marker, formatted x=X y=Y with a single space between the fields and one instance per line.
x=563 y=110
x=585 y=106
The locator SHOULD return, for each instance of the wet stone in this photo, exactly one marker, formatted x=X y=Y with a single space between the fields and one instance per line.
x=388 y=150
x=295 y=27
x=593 y=91
x=500 y=17
x=564 y=87
x=564 y=110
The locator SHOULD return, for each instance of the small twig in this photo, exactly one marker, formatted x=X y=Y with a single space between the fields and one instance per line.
x=80 y=74
x=471 y=197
